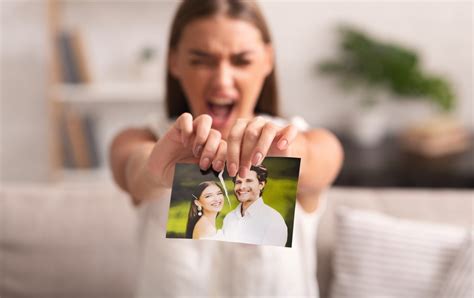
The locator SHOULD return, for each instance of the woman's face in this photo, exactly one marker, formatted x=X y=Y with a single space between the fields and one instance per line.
x=221 y=64
x=211 y=199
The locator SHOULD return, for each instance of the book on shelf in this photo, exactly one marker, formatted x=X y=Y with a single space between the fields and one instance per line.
x=78 y=140
x=71 y=57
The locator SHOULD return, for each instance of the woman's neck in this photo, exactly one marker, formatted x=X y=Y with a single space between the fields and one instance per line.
x=210 y=216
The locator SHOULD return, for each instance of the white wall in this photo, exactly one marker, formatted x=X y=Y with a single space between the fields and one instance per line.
x=23 y=120
x=303 y=32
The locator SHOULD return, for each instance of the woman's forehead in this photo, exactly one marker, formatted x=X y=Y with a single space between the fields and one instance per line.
x=221 y=35
x=210 y=188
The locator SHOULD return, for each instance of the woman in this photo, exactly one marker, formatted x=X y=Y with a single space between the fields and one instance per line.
x=203 y=211
x=220 y=80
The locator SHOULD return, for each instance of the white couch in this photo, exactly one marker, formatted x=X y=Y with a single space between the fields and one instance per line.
x=81 y=240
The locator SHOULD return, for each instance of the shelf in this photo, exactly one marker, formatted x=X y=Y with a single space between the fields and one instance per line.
x=108 y=93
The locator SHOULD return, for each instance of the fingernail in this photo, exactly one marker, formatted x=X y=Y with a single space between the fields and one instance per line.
x=197 y=150
x=205 y=162
x=232 y=169
x=282 y=144
x=243 y=172
x=257 y=158
x=218 y=165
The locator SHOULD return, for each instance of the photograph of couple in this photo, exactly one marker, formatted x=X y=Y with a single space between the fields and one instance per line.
x=257 y=209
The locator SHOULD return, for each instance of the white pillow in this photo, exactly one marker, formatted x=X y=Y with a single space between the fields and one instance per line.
x=459 y=279
x=382 y=256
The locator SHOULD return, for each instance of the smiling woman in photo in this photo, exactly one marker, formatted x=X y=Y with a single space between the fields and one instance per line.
x=205 y=206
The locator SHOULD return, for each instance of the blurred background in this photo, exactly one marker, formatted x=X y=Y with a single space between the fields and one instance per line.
x=74 y=73
x=393 y=80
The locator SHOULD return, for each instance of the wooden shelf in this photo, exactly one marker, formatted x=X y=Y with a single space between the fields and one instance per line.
x=108 y=93
x=81 y=119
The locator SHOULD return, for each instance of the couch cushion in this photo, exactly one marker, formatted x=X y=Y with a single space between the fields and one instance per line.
x=76 y=241
x=459 y=278
x=436 y=206
x=383 y=256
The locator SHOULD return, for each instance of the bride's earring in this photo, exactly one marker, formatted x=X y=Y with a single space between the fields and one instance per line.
x=199 y=210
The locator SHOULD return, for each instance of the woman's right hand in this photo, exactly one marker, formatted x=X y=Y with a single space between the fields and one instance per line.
x=187 y=141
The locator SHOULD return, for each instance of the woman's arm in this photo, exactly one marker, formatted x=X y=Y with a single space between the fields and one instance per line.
x=321 y=160
x=129 y=154
x=144 y=166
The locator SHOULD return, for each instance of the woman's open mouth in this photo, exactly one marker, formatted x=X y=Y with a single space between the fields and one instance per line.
x=220 y=111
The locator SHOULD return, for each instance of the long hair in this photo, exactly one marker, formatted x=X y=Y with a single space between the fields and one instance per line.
x=193 y=216
x=190 y=10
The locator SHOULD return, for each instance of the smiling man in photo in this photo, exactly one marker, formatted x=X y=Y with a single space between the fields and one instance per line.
x=252 y=221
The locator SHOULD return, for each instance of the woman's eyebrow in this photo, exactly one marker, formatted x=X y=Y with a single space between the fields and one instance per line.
x=243 y=53
x=212 y=193
x=200 y=53
x=204 y=54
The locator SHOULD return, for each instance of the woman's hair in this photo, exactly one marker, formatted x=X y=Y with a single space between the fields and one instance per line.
x=190 y=10
x=193 y=216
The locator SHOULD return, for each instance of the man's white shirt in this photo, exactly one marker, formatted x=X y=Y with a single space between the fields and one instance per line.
x=261 y=224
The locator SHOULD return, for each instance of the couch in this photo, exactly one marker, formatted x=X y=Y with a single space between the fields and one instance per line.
x=80 y=240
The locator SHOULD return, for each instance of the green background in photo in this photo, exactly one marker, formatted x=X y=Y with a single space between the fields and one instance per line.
x=279 y=193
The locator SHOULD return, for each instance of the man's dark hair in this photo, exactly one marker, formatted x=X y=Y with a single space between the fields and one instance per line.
x=262 y=174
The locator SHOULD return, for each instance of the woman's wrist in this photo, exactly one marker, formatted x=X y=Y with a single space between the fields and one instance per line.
x=141 y=183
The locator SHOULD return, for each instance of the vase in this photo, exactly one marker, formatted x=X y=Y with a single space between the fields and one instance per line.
x=368 y=125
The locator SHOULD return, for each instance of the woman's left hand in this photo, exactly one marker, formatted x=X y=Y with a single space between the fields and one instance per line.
x=249 y=141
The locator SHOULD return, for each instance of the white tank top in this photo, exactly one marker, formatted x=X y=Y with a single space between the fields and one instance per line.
x=182 y=267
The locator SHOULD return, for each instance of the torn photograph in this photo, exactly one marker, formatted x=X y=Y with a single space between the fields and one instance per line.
x=258 y=209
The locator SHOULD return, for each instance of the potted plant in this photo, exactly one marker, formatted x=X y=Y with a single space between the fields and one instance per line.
x=373 y=67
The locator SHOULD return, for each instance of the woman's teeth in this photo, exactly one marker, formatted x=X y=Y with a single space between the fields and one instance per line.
x=218 y=204
x=220 y=113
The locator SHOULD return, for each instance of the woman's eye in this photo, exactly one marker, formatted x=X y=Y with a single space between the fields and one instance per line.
x=241 y=62
x=196 y=62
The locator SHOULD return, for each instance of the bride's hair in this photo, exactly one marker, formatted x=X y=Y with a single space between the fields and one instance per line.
x=193 y=216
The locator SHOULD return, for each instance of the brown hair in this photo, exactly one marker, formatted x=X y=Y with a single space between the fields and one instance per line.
x=190 y=10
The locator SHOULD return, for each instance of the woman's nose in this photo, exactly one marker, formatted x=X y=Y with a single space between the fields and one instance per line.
x=223 y=76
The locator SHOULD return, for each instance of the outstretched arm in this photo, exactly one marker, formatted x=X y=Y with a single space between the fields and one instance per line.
x=321 y=160
x=129 y=153
x=144 y=166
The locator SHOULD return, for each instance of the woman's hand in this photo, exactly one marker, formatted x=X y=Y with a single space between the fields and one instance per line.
x=250 y=141
x=188 y=141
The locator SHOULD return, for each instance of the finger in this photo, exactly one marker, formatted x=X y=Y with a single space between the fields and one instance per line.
x=233 y=146
x=202 y=126
x=184 y=124
x=250 y=140
x=265 y=141
x=286 y=136
x=219 y=158
x=210 y=149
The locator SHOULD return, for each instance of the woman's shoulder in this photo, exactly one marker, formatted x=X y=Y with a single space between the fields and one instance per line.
x=203 y=229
